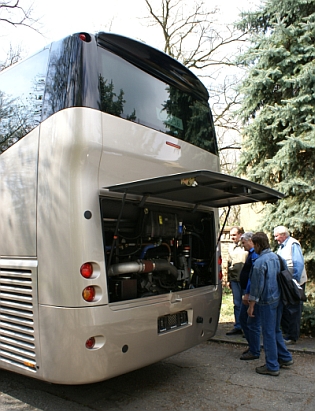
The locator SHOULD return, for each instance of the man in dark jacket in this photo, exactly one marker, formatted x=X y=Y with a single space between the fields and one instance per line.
x=250 y=325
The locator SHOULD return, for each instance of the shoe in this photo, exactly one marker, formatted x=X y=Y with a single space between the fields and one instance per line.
x=246 y=351
x=288 y=341
x=234 y=331
x=264 y=370
x=249 y=356
x=285 y=363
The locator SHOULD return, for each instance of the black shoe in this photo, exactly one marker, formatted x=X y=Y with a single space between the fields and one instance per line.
x=246 y=351
x=288 y=341
x=249 y=356
x=264 y=370
x=285 y=363
x=235 y=331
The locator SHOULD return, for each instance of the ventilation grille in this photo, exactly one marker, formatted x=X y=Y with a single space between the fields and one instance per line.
x=17 y=339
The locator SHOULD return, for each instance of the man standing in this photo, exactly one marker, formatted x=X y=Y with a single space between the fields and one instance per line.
x=236 y=259
x=265 y=292
x=250 y=325
x=290 y=251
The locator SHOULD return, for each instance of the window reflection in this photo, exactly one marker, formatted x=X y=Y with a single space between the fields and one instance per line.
x=21 y=98
x=130 y=93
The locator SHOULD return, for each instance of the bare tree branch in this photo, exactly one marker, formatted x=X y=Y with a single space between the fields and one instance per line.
x=13 y=13
x=13 y=56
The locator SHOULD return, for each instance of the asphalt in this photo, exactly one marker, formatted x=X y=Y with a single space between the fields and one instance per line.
x=305 y=344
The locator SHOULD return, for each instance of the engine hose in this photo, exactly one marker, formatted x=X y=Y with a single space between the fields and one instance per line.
x=142 y=266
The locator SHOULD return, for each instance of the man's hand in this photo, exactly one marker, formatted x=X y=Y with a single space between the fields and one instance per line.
x=250 y=310
x=245 y=299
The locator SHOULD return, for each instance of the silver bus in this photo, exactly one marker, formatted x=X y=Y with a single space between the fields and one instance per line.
x=109 y=195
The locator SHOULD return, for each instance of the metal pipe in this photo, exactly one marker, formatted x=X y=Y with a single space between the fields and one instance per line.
x=142 y=266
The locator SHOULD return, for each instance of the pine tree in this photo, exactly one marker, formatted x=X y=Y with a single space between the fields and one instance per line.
x=278 y=114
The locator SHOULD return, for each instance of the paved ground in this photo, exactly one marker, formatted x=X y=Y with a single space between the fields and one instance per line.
x=303 y=345
x=207 y=377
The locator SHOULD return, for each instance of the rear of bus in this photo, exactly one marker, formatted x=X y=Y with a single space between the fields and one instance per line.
x=110 y=189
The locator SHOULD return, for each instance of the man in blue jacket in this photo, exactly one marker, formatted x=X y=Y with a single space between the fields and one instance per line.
x=265 y=292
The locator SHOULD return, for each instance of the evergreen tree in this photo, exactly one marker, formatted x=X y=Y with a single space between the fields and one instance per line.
x=278 y=114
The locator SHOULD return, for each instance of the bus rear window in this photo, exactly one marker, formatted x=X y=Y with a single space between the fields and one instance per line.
x=130 y=93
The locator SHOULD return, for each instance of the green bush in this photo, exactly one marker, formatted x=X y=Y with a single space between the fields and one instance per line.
x=308 y=319
x=308 y=315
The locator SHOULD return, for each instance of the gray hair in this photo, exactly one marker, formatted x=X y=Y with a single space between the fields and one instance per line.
x=281 y=229
x=247 y=236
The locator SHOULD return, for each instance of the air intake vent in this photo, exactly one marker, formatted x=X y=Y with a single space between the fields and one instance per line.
x=17 y=338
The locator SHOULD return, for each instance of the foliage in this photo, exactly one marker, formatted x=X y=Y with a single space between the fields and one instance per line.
x=308 y=315
x=308 y=319
x=278 y=114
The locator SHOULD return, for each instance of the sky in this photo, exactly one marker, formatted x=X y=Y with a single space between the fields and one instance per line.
x=59 y=18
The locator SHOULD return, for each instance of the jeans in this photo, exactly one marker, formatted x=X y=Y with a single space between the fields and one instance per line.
x=251 y=328
x=274 y=345
x=237 y=301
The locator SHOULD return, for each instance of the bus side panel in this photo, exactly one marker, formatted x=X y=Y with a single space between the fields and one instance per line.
x=126 y=338
x=69 y=225
x=18 y=170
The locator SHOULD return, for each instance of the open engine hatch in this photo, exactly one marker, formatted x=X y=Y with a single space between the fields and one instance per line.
x=160 y=234
x=202 y=187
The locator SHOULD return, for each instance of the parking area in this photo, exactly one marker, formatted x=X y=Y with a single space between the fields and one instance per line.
x=207 y=377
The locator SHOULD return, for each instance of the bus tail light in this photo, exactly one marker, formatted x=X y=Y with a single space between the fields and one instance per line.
x=86 y=270
x=220 y=268
x=88 y=294
x=90 y=343
x=85 y=37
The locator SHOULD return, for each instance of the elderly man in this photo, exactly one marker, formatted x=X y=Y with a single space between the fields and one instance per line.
x=290 y=251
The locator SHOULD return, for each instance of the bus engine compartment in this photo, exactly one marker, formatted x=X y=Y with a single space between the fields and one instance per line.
x=154 y=249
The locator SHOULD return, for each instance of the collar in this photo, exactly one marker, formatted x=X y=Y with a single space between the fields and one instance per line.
x=265 y=251
x=285 y=242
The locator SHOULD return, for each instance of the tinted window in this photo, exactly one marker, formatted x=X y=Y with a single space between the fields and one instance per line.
x=21 y=97
x=130 y=93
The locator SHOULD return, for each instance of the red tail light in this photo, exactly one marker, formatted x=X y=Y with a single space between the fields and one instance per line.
x=220 y=268
x=86 y=270
x=90 y=343
x=85 y=37
x=88 y=294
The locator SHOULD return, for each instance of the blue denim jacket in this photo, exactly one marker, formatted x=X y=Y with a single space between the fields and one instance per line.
x=264 y=287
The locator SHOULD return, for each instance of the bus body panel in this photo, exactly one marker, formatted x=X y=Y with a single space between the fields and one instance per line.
x=18 y=192
x=132 y=152
x=70 y=149
x=127 y=338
